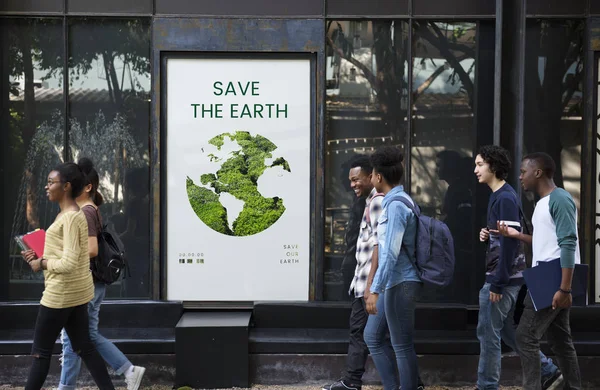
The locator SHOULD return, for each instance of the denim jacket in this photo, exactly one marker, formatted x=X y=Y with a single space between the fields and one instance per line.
x=397 y=231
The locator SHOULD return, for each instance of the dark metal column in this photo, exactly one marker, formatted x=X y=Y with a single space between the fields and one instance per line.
x=4 y=161
x=66 y=116
x=498 y=72
x=512 y=81
x=589 y=154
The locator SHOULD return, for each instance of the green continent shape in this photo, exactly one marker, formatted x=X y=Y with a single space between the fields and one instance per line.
x=207 y=207
x=239 y=175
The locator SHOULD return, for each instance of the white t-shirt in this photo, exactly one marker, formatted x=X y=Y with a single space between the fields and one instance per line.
x=555 y=228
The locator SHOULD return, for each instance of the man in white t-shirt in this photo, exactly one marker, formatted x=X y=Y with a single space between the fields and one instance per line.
x=554 y=236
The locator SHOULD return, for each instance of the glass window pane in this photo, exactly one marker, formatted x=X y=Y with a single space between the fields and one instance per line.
x=443 y=140
x=109 y=100
x=32 y=142
x=554 y=99
x=367 y=97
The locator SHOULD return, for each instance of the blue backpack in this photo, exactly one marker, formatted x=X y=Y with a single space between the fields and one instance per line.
x=435 y=249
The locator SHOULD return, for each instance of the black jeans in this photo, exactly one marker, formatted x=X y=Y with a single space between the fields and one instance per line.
x=357 y=350
x=555 y=323
x=47 y=328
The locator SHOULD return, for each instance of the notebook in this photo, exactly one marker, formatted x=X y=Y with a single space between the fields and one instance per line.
x=34 y=240
x=544 y=280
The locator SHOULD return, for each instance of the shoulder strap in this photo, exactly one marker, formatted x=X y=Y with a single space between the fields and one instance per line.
x=101 y=228
x=413 y=208
x=417 y=213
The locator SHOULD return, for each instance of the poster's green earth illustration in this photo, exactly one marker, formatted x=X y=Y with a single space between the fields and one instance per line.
x=237 y=177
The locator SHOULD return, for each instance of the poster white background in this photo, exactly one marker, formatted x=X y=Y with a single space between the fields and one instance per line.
x=230 y=268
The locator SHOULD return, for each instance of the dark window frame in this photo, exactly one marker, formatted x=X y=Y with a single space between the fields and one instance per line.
x=410 y=109
x=155 y=271
x=331 y=9
x=65 y=113
x=543 y=9
x=169 y=29
x=4 y=246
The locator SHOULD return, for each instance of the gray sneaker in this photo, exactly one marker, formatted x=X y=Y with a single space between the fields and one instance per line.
x=342 y=385
x=554 y=382
x=133 y=379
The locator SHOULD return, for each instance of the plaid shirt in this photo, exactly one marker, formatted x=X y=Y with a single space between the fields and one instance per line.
x=367 y=239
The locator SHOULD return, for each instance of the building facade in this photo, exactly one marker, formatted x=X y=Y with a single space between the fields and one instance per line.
x=436 y=78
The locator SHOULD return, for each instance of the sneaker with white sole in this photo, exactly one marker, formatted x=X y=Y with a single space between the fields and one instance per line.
x=133 y=377
x=342 y=385
x=555 y=382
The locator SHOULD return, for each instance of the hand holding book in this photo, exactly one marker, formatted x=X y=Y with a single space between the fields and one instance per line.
x=34 y=241
x=29 y=255
x=32 y=245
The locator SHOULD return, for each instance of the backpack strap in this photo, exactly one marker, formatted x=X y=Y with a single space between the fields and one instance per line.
x=415 y=209
x=99 y=220
x=417 y=212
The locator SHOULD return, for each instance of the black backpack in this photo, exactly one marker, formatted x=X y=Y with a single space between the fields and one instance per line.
x=110 y=263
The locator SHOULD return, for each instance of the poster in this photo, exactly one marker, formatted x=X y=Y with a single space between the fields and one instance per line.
x=238 y=179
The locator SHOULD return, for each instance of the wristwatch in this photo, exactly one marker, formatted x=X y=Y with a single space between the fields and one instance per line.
x=564 y=291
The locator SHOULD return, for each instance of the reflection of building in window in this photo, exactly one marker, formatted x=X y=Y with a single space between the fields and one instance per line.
x=553 y=96
x=443 y=85
x=109 y=113
x=367 y=102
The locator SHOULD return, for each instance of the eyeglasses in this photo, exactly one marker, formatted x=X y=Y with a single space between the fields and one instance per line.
x=50 y=182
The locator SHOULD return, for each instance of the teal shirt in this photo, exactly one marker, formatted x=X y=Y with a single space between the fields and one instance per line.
x=555 y=229
x=564 y=213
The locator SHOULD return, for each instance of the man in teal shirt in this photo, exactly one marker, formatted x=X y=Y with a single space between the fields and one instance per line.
x=554 y=236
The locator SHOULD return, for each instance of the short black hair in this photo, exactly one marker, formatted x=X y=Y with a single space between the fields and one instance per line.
x=363 y=162
x=497 y=158
x=543 y=162
x=387 y=161
x=70 y=172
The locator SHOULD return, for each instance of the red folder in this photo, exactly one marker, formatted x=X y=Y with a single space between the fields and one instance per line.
x=35 y=240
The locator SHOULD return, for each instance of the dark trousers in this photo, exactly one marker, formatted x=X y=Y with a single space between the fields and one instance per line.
x=555 y=324
x=47 y=328
x=357 y=349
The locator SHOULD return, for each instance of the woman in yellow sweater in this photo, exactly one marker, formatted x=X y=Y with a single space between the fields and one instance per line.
x=68 y=282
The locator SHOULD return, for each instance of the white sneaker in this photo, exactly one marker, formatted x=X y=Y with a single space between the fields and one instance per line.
x=133 y=377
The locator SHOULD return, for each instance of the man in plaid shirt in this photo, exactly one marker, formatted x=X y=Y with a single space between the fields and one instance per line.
x=366 y=258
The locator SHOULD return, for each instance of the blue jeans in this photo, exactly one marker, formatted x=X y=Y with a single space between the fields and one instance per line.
x=496 y=323
x=110 y=353
x=396 y=310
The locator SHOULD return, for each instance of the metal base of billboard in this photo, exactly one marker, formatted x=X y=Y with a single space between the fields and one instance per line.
x=211 y=349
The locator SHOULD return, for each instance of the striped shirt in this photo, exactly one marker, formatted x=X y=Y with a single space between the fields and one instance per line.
x=367 y=239
x=68 y=280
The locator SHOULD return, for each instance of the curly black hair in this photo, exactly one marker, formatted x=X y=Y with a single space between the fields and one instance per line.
x=497 y=158
x=544 y=162
x=387 y=161
x=363 y=162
